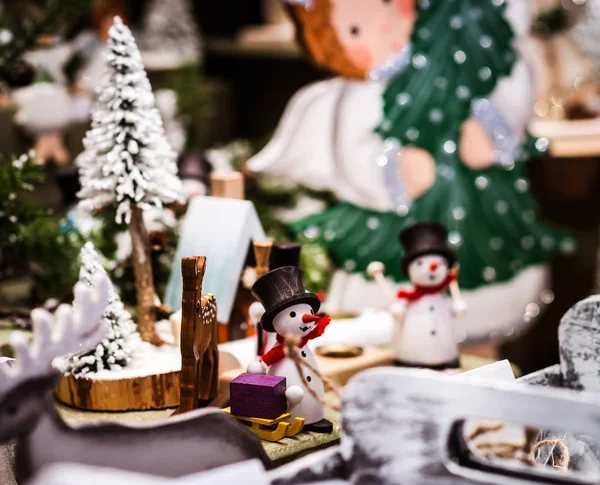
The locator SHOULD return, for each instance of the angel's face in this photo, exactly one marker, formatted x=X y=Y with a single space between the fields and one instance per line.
x=372 y=31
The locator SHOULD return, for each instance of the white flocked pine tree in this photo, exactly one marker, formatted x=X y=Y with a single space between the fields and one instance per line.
x=127 y=161
x=117 y=348
x=170 y=37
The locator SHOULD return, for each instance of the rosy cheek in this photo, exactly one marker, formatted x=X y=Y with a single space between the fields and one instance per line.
x=360 y=56
x=406 y=8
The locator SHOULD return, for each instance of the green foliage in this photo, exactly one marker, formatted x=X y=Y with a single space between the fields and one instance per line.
x=51 y=247
x=32 y=239
x=27 y=20
x=17 y=176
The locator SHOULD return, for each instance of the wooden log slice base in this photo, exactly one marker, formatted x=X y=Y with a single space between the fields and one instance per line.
x=159 y=391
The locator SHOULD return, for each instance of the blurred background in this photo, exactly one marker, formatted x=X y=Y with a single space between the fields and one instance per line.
x=222 y=73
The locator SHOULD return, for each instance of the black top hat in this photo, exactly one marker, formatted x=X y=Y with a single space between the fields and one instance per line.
x=280 y=289
x=425 y=238
x=284 y=253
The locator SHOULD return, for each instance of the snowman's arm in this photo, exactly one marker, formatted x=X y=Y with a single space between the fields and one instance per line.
x=256 y=311
x=294 y=395
x=459 y=305
x=257 y=367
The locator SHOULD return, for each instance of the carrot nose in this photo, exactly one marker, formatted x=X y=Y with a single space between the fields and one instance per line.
x=310 y=318
x=434 y=266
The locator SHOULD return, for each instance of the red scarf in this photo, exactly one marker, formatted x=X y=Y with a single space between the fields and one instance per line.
x=278 y=352
x=421 y=291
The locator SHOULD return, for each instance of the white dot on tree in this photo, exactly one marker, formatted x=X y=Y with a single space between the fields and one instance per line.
x=568 y=246
x=482 y=182
x=521 y=185
x=489 y=274
x=529 y=217
x=460 y=57
x=441 y=82
x=496 y=243
x=373 y=223
x=419 y=61
x=456 y=22
x=485 y=41
x=424 y=33
x=436 y=115
x=527 y=242
x=548 y=242
x=542 y=144
x=450 y=147
x=350 y=265
x=402 y=210
x=412 y=134
x=485 y=73
x=501 y=207
x=403 y=99
x=459 y=213
x=454 y=238
x=463 y=92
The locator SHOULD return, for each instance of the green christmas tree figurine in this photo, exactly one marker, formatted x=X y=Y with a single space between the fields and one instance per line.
x=446 y=143
x=459 y=53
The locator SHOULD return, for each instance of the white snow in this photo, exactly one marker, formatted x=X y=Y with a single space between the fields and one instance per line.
x=147 y=360
x=127 y=160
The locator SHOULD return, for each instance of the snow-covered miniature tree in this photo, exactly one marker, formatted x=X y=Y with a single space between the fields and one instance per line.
x=115 y=351
x=170 y=37
x=127 y=161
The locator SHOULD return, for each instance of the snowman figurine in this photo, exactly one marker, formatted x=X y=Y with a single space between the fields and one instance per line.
x=425 y=334
x=292 y=312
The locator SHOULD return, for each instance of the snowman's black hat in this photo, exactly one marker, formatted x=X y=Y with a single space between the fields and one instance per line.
x=280 y=289
x=425 y=238
x=284 y=253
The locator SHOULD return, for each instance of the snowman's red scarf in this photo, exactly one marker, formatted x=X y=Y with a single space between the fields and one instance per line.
x=278 y=352
x=421 y=291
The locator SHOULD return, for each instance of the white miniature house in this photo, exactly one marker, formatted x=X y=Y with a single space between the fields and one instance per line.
x=222 y=229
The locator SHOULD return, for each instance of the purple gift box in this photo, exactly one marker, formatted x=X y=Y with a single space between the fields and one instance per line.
x=258 y=396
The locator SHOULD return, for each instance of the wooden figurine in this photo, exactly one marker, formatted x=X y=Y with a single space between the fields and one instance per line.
x=199 y=352
x=262 y=254
x=197 y=441
x=292 y=312
x=424 y=336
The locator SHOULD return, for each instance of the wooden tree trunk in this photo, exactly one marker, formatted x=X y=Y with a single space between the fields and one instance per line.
x=144 y=283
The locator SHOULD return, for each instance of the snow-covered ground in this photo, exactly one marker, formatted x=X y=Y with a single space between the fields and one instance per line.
x=147 y=359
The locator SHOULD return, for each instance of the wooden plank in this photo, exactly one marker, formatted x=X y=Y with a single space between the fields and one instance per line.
x=192 y=270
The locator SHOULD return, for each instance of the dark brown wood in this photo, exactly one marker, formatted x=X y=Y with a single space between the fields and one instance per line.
x=199 y=351
x=144 y=283
x=206 y=345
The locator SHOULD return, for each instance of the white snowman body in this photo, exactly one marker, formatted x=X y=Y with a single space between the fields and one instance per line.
x=299 y=321
x=426 y=335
